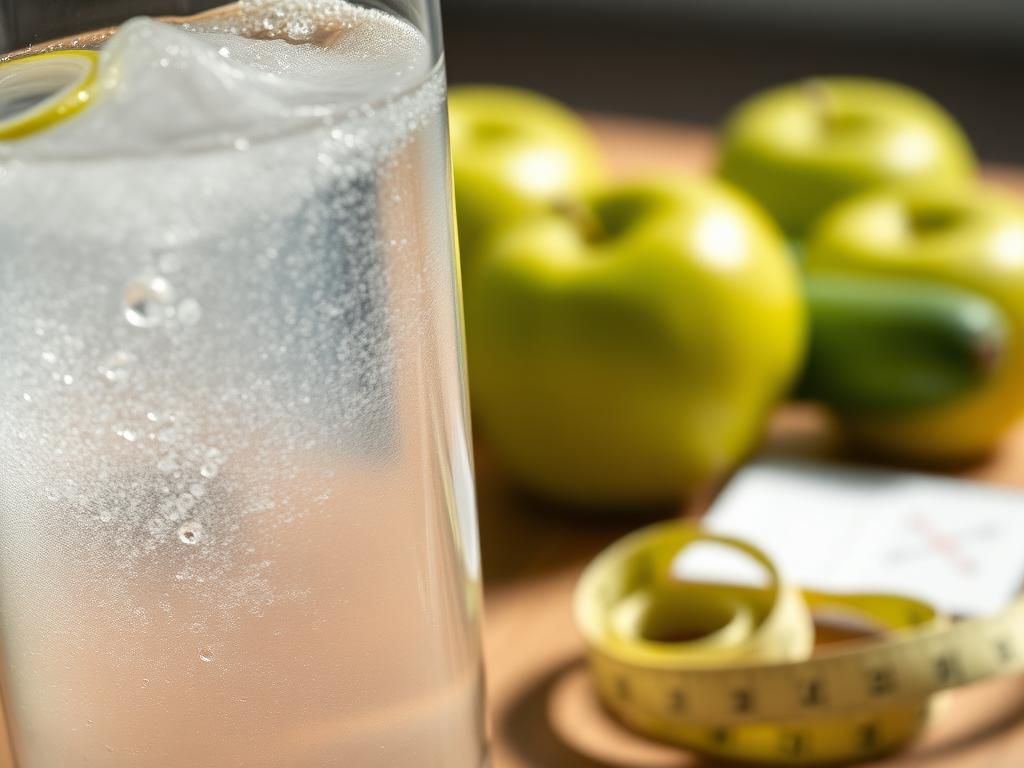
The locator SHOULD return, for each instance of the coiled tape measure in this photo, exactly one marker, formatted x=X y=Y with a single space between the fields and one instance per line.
x=729 y=671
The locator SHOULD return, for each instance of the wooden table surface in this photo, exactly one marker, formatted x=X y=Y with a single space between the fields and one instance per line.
x=543 y=711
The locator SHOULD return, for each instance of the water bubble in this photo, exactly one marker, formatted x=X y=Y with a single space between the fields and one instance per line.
x=117 y=367
x=48 y=357
x=206 y=655
x=128 y=434
x=168 y=464
x=197 y=489
x=148 y=301
x=190 y=533
x=169 y=509
x=186 y=502
x=189 y=312
x=153 y=416
x=68 y=379
x=26 y=397
x=211 y=467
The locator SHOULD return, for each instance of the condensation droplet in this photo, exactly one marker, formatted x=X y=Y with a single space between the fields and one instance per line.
x=68 y=379
x=186 y=502
x=148 y=301
x=167 y=464
x=49 y=358
x=129 y=434
x=189 y=312
x=211 y=467
x=197 y=489
x=190 y=533
x=117 y=367
x=206 y=655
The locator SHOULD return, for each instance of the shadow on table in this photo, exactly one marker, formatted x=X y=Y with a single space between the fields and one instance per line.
x=557 y=722
x=523 y=536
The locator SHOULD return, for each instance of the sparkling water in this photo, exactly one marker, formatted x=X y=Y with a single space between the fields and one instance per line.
x=236 y=513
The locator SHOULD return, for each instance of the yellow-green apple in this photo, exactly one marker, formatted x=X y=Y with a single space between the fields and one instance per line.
x=801 y=148
x=627 y=349
x=514 y=154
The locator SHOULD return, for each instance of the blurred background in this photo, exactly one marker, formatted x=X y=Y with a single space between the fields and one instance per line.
x=691 y=60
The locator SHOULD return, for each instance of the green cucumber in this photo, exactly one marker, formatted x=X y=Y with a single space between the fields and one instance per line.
x=897 y=345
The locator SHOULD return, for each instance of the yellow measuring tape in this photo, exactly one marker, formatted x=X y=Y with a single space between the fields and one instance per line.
x=731 y=671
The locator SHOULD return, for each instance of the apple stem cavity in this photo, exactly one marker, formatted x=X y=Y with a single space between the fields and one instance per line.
x=821 y=98
x=583 y=219
x=930 y=220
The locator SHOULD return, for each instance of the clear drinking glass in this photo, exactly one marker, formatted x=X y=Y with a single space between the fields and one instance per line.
x=236 y=508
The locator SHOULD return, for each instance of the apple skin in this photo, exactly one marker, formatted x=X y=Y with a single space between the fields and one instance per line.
x=514 y=154
x=968 y=238
x=801 y=148
x=630 y=352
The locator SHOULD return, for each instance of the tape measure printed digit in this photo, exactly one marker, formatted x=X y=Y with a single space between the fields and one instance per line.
x=731 y=671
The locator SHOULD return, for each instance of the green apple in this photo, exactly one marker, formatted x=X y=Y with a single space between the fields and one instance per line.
x=627 y=350
x=972 y=239
x=514 y=154
x=801 y=148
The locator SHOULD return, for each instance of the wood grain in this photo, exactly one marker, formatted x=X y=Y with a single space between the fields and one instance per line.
x=543 y=711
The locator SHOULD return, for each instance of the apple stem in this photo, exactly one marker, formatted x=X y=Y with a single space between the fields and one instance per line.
x=583 y=218
x=819 y=95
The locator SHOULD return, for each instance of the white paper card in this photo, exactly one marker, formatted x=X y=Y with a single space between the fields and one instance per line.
x=956 y=544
